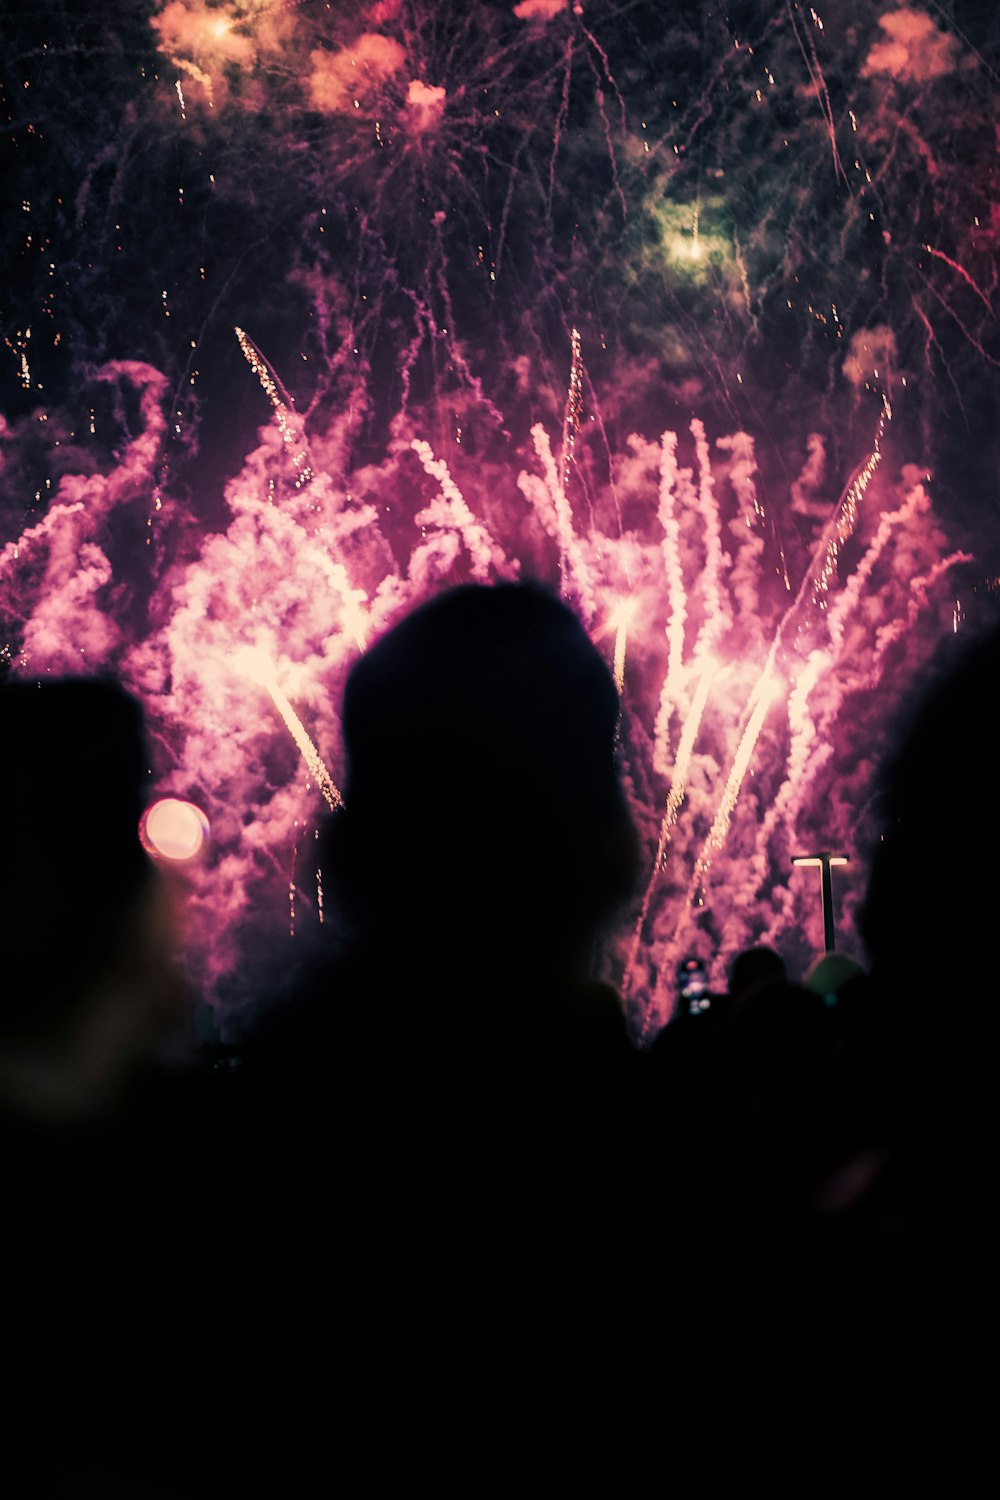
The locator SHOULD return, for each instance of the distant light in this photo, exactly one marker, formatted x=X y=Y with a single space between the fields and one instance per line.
x=174 y=830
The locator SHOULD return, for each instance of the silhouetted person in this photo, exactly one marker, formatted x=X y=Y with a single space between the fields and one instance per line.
x=89 y=985
x=755 y=966
x=906 y=1212
x=102 y=1146
x=484 y=841
x=929 y=917
x=925 y=1042
x=442 y=1108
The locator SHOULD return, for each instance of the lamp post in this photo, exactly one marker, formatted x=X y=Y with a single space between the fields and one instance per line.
x=825 y=860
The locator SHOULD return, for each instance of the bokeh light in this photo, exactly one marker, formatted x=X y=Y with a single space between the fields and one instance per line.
x=174 y=831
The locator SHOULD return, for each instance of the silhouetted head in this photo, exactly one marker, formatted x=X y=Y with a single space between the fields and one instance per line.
x=483 y=802
x=755 y=966
x=830 y=974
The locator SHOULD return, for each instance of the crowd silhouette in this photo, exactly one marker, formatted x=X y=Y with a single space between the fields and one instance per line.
x=442 y=1159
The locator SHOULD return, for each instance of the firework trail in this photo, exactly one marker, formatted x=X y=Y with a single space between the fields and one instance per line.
x=622 y=620
x=674 y=799
x=920 y=588
x=803 y=759
x=51 y=523
x=803 y=733
x=961 y=271
x=806 y=757
x=290 y=429
x=748 y=530
x=764 y=694
x=916 y=501
x=685 y=750
x=552 y=507
x=845 y=519
x=767 y=691
x=716 y=621
x=558 y=481
x=451 y=511
x=573 y=411
x=718 y=617
x=678 y=600
x=255 y=664
x=822 y=93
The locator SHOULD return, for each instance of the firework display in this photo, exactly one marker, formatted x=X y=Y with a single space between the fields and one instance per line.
x=314 y=309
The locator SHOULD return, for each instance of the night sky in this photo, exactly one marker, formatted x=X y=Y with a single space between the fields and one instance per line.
x=766 y=475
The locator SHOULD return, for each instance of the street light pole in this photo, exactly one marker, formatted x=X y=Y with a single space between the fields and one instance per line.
x=825 y=860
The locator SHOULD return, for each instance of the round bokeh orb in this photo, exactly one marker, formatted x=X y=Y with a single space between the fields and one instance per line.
x=174 y=830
